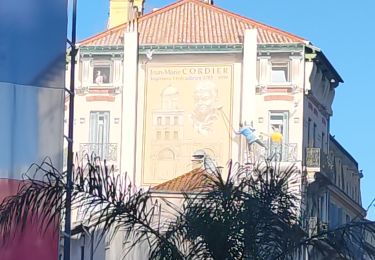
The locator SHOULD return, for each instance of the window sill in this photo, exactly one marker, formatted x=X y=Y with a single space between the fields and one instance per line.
x=102 y=89
x=287 y=87
x=280 y=84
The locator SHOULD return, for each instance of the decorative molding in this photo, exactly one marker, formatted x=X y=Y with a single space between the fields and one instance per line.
x=100 y=98
x=116 y=50
x=262 y=89
x=278 y=98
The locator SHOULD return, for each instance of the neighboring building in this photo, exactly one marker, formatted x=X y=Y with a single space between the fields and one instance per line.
x=196 y=71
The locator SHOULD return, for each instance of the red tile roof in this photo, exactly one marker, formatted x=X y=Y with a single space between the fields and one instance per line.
x=193 y=22
x=195 y=180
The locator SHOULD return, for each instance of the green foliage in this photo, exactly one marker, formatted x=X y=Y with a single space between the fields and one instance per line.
x=249 y=214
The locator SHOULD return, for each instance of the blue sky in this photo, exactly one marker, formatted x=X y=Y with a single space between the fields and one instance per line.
x=344 y=30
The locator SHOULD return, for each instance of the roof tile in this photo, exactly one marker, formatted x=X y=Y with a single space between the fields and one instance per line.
x=195 y=180
x=193 y=22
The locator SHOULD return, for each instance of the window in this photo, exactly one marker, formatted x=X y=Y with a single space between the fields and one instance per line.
x=280 y=72
x=335 y=215
x=314 y=136
x=167 y=135
x=342 y=176
x=99 y=133
x=175 y=135
x=158 y=120
x=99 y=127
x=175 y=120
x=158 y=135
x=309 y=143
x=278 y=122
x=102 y=72
x=167 y=120
x=321 y=208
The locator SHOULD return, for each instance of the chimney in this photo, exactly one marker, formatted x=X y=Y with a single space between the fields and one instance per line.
x=139 y=4
x=122 y=11
x=210 y=2
x=197 y=159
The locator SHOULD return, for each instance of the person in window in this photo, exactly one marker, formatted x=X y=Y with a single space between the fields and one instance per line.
x=276 y=136
x=249 y=133
x=99 y=78
x=276 y=142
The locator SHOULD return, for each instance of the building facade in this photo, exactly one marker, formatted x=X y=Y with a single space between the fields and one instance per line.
x=157 y=88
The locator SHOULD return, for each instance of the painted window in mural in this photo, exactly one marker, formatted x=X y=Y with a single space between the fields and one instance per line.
x=278 y=127
x=99 y=133
x=102 y=71
x=280 y=72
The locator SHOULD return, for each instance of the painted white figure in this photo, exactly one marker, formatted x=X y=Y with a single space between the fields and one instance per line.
x=99 y=78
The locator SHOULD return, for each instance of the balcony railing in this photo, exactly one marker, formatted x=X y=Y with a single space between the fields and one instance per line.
x=286 y=152
x=313 y=157
x=102 y=89
x=316 y=158
x=104 y=151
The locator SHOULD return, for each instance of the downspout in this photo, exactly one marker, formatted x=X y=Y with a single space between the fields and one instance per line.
x=91 y=236
x=303 y=107
x=83 y=248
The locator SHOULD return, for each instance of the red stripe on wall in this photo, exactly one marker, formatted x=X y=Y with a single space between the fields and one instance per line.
x=32 y=243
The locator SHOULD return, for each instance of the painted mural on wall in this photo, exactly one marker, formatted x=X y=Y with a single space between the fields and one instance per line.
x=184 y=106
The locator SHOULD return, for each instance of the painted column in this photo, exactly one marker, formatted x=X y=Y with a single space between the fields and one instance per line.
x=129 y=105
x=249 y=83
x=86 y=72
x=249 y=73
x=117 y=72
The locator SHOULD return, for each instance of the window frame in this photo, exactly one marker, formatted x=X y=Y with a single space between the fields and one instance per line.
x=280 y=64
x=285 y=131
x=105 y=63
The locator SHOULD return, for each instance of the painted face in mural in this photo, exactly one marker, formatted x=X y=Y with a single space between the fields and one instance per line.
x=205 y=97
x=205 y=100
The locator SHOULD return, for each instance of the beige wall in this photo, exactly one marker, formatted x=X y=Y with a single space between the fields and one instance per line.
x=199 y=92
x=214 y=136
x=192 y=88
x=187 y=108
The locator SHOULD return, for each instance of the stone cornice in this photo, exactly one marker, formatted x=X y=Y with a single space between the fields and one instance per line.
x=345 y=199
x=191 y=49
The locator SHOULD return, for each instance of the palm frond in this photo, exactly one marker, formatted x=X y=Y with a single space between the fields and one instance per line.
x=251 y=213
x=40 y=199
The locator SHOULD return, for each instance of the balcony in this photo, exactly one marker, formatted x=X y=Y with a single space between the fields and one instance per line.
x=103 y=151
x=286 y=152
x=313 y=157
x=318 y=161
x=107 y=89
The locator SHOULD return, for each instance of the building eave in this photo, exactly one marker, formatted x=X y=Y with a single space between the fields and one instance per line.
x=192 y=48
x=343 y=150
x=325 y=64
x=345 y=199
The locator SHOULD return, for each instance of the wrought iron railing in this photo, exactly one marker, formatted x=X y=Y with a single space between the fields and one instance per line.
x=285 y=152
x=316 y=158
x=313 y=157
x=103 y=151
